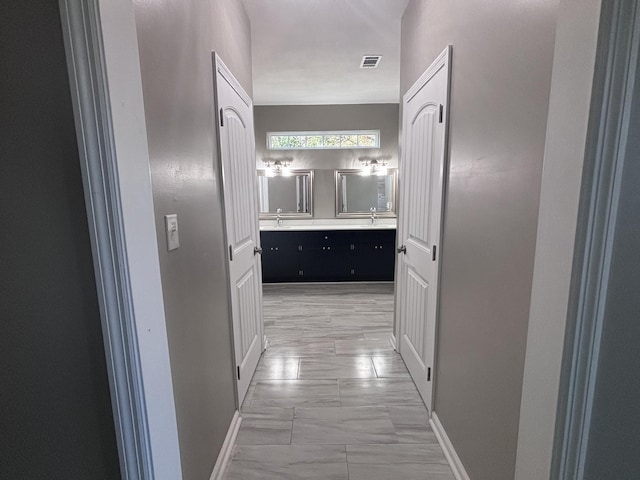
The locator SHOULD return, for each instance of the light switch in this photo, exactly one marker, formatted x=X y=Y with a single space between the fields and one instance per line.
x=171 y=225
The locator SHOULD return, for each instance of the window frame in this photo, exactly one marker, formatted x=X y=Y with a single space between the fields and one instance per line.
x=324 y=133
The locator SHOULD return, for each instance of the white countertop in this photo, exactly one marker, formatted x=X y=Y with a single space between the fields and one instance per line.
x=327 y=224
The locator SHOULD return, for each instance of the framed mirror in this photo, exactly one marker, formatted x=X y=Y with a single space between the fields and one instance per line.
x=290 y=191
x=358 y=193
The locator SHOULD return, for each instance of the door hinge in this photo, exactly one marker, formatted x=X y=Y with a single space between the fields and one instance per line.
x=231 y=253
x=441 y=113
x=433 y=253
x=238 y=373
x=222 y=117
x=428 y=374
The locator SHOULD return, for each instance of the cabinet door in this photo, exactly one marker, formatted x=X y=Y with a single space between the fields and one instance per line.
x=326 y=256
x=280 y=256
x=374 y=257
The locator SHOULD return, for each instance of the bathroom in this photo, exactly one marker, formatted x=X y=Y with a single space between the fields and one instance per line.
x=327 y=209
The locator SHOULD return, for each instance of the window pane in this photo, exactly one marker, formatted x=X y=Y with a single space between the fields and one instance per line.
x=366 y=140
x=296 y=141
x=278 y=141
x=332 y=140
x=348 y=141
x=319 y=140
x=314 y=141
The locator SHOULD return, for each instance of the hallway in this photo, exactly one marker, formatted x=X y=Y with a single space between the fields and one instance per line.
x=330 y=398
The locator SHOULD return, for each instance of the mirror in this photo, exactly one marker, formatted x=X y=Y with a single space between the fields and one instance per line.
x=357 y=193
x=289 y=191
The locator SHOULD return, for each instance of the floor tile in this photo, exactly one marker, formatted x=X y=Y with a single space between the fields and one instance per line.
x=264 y=432
x=248 y=396
x=415 y=434
x=303 y=347
x=373 y=333
x=415 y=415
x=308 y=389
x=390 y=366
x=267 y=413
x=364 y=347
x=277 y=368
x=337 y=367
x=290 y=393
x=283 y=332
x=342 y=425
x=380 y=391
x=386 y=454
x=330 y=332
x=397 y=471
x=299 y=320
x=290 y=462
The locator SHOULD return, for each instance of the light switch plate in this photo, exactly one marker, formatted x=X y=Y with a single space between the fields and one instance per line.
x=171 y=226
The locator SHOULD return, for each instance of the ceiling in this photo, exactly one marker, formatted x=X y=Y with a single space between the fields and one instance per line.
x=308 y=52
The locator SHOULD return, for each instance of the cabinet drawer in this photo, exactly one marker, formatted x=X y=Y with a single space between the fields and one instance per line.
x=325 y=238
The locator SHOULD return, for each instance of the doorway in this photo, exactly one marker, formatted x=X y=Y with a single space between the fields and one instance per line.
x=330 y=393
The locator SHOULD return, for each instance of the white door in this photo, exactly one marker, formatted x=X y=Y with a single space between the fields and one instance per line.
x=422 y=171
x=237 y=151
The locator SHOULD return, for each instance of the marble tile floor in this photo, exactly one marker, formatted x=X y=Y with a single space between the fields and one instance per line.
x=330 y=398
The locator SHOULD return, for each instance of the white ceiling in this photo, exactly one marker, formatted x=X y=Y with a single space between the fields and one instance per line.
x=309 y=51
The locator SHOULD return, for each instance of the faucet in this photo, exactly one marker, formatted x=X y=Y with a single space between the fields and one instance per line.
x=278 y=219
x=374 y=216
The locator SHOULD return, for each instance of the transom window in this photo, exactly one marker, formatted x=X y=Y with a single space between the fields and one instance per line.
x=323 y=140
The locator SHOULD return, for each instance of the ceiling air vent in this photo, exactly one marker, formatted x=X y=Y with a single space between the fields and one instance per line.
x=370 y=61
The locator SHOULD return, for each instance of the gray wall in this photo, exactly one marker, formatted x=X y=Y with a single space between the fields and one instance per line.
x=175 y=41
x=502 y=58
x=569 y=104
x=56 y=419
x=282 y=118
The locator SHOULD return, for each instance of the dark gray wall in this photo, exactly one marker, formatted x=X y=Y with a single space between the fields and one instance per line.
x=614 y=442
x=502 y=58
x=286 y=118
x=175 y=41
x=56 y=419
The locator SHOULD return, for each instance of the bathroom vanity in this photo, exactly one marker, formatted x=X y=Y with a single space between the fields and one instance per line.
x=318 y=254
x=357 y=245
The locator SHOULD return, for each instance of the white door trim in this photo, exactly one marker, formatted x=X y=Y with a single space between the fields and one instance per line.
x=106 y=89
x=609 y=128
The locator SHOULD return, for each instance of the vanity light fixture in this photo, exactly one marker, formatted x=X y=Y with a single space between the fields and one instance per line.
x=374 y=166
x=277 y=167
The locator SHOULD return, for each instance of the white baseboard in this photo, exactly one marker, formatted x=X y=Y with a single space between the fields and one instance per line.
x=227 y=448
x=452 y=457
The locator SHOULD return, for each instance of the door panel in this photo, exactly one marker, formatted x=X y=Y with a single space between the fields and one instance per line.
x=237 y=151
x=420 y=218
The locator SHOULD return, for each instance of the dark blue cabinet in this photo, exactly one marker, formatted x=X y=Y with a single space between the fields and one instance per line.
x=374 y=257
x=281 y=257
x=328 y=255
